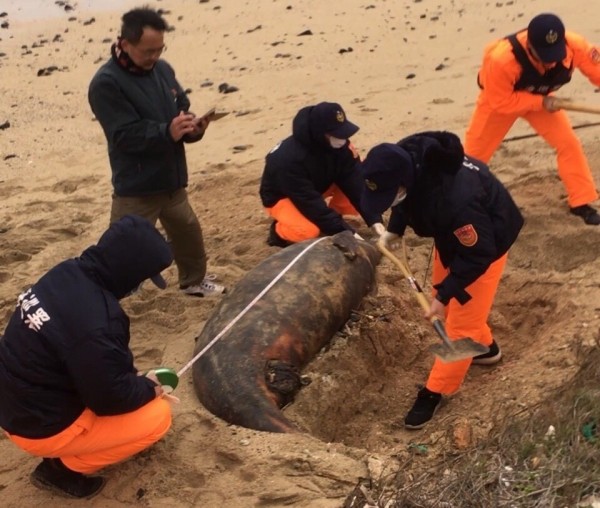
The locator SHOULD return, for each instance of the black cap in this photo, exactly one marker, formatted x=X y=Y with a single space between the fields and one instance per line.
x=546 y=35
x=386 y=168
x=332 y=120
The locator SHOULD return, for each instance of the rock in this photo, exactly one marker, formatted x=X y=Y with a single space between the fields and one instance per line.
x=462 y=434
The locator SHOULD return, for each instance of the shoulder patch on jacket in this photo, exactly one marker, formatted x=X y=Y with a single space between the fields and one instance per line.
x=466 y=235
x=595 y=55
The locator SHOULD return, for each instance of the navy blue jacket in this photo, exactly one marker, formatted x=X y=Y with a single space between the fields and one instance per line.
x=135 y=111
x=303 y=166
x=465 y=208
x=66 y=347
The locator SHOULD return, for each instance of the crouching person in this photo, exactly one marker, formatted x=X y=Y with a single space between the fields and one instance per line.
x=69 y=391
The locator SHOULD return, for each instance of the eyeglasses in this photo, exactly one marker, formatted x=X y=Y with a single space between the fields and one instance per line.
x=149 y=53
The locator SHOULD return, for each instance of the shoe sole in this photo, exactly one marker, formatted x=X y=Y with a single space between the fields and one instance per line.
x=42 y=485
x=492 y=360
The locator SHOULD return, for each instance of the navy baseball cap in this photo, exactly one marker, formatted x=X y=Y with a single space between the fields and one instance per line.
x=546 y=35
x=332 y=120
x=386 y=168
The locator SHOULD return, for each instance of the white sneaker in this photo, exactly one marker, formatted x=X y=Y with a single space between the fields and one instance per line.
x=205 y=288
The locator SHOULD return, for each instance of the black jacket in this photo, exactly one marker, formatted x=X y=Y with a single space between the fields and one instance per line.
x=135 y=111
x=66 y=347
x=456 y=200
x=303 y=166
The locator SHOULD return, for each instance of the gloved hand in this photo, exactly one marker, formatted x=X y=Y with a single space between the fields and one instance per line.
x=379 y=228
x=390 y=241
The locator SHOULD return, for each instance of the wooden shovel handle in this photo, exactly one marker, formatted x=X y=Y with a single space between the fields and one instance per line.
x=437 y=322
x=576 y=106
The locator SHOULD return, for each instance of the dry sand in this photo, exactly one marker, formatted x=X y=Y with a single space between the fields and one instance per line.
x=55 y=199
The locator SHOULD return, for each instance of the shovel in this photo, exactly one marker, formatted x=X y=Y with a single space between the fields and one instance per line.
x=570 y=105
x=450 y=350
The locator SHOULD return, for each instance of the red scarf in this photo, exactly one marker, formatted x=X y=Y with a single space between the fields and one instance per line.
x=124 y=60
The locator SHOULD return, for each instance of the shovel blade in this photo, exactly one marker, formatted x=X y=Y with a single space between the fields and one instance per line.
x=460 y=349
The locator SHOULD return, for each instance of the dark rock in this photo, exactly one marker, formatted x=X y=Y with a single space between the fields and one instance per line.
x=5 y=125
x=306 y=32
x=226 y=88
x=411 y=76
x=10 y=156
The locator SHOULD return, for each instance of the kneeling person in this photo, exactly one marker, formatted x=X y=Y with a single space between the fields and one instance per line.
x=311 y=179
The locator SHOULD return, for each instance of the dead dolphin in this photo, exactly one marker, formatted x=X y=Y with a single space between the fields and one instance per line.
x=273 y=323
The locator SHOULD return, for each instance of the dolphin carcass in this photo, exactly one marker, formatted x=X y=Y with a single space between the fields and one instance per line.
x=273 y=323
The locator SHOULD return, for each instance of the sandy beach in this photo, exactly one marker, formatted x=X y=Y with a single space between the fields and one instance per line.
x=397 y=68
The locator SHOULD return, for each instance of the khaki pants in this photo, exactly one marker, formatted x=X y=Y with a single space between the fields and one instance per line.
x=176 y=215
x=92 y=442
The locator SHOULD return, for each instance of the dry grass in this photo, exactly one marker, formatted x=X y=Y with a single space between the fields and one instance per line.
x=547 y=456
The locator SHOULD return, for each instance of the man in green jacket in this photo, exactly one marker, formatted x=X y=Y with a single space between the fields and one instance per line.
x=145 y=115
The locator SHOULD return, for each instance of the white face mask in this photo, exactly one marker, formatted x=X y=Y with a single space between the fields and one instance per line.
x=401 y=196
x=336 y=142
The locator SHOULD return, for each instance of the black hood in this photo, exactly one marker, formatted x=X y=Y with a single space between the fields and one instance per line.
x=436 y=151
x=129 y=252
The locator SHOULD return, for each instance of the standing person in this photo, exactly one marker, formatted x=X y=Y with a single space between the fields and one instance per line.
x=145 y=116
x=433 y=188
x=311 y=178
x=518 y=74
x=69 y=391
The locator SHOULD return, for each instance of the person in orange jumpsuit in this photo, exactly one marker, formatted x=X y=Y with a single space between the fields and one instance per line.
x=432 y=187
x=518 y=75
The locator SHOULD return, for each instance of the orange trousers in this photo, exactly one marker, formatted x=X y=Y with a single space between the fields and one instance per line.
x=488 y=128
x=295 y=227
x=92 y=442
x=468 y=320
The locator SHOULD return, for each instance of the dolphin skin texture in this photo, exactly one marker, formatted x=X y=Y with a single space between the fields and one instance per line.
x=273 y=323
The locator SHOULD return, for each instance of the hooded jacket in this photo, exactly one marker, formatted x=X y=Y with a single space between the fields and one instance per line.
x=303 y=166
x=135 y=111
x=456 y=200
x=66 y=346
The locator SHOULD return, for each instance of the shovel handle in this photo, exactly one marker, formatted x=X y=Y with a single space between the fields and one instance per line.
x=575 y=106
x=435 y=321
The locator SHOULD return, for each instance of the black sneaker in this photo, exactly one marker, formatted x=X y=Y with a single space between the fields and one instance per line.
x=274 y=240
x=423 y=409
x=53 y=475
x=491 y=357
x=587 y=213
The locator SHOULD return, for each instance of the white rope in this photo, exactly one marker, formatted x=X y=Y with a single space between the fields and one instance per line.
x=247 y=308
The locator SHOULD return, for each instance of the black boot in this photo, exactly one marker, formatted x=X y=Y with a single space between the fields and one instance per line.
x=587 y=213
x=52 y=474
x=274 y=240
x=423 y=409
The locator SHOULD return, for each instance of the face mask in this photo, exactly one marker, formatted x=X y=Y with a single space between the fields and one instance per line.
x=401 y=196
x=336 y=142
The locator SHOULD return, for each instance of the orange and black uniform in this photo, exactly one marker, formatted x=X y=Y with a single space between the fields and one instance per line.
x=302 y=173
x=68 y=385
x=513 y=85
x=472 y=219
